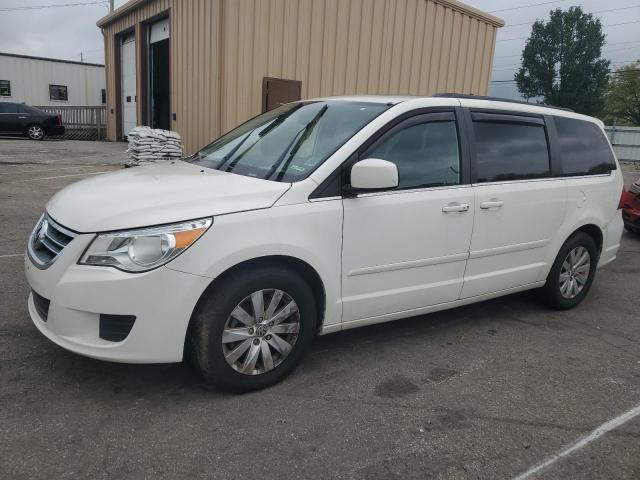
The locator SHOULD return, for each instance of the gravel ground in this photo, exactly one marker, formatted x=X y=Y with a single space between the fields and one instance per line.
x=484 y=391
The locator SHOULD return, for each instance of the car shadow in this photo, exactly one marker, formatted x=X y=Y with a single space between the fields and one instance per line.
x=181 y=380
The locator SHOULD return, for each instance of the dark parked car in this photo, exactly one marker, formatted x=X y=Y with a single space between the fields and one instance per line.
x=21 y=119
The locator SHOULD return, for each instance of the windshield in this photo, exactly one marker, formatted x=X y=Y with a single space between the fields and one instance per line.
x=286 y=144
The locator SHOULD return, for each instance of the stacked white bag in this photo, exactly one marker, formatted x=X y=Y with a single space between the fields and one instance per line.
x=148 y=145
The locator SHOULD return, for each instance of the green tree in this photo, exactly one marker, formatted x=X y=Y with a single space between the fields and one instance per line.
x=561 y=62
x=622 y=99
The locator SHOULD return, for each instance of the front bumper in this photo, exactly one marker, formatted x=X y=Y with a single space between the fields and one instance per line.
x=162 y=301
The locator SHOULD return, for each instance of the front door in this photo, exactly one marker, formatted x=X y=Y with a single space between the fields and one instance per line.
x=10 y=118
x=407 y=248
x=519 y=205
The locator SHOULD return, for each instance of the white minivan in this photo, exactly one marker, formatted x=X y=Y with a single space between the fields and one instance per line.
x=320 y=216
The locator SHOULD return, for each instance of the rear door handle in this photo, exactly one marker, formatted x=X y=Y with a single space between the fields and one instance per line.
x=455 y=207
x=493 y=203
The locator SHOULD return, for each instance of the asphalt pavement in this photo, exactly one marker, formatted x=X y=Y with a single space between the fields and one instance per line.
x=486 y=391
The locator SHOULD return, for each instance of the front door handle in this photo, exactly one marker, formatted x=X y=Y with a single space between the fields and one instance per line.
x=493 y=203
x=455 y=207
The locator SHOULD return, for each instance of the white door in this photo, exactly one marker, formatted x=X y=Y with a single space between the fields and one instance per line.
x=519 y=206
x=128 y=83
x=407 y=248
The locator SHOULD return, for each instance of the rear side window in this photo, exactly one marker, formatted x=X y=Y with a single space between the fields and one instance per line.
x=426 y=154
x=8 y=108
x=510 y=151
x=583 y=147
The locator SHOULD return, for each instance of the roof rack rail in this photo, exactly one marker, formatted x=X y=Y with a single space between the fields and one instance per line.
x=497 y=99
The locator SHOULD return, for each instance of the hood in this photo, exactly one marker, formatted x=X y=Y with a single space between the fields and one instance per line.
x=157 y=194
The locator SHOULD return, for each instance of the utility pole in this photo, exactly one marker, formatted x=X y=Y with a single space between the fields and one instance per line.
x=110 y=6
x=81 y=57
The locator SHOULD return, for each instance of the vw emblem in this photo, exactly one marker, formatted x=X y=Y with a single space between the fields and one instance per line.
x=261 y=330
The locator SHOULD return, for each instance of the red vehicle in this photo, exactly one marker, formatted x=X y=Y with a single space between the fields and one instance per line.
x=631 y=207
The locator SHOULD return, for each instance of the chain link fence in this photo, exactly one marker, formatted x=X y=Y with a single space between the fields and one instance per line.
x=81 y=123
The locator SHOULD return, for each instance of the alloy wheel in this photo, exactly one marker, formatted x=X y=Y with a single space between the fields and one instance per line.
x=261 y=331
x=35 y=132
x=575 y=272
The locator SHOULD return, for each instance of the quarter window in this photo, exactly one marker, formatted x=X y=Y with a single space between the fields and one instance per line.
x=584 y=148
x=426 y=154
x=58 y=92
x=5 y=88
x=510 y=151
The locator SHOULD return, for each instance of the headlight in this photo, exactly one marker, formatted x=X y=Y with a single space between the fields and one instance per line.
x=143 y=249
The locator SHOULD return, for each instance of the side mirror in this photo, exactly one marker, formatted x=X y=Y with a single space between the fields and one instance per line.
x=373 y=174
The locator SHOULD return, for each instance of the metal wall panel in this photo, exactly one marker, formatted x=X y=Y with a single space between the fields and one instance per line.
x=222 y=49
x=30 y=79
x=626 y=142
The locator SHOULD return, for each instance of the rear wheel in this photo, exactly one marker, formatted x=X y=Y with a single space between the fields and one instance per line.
x=572 y=272
x=35 y=132
x=252 y=330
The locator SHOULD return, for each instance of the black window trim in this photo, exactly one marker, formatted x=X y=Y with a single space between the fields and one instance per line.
x=333 y=185
x=9 y=82
x=514 y=117
x=66 y=89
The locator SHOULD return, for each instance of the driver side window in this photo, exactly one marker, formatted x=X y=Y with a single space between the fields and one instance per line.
x=426 y=154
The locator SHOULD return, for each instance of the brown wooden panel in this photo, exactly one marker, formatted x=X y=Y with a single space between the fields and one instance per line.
x=278 y=91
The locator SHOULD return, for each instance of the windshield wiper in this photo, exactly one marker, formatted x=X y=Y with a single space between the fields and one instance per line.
x=261 y=134
x=306 y=132
x=278 y=120
x=226 y=158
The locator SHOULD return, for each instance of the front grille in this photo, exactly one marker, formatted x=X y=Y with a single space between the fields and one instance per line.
x=47 y=241
x=115 y=328
x=42 y=305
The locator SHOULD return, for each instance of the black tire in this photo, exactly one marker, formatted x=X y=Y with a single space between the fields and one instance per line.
x=35 y=131
x=209 y=319
x=551 y=293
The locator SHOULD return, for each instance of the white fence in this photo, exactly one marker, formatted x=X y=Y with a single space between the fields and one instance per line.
x=626 y=142
x=81 y=123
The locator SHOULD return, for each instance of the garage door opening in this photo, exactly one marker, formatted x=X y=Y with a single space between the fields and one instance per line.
x=160 y=102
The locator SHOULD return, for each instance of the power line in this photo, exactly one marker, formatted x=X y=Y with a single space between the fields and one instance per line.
x=615 y=72
x=604 y=51
x=527 y=6
x=597 y=11
x=59 y=5
x=609 y=25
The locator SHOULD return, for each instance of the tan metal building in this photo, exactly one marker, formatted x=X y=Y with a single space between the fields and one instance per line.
x=200 y=67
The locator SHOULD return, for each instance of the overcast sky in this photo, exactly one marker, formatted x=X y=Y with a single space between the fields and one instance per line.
x=67 y=31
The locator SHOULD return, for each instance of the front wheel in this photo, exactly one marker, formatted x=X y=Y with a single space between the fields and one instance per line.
x=35 y=132
x=572 y=272
x=253 y=329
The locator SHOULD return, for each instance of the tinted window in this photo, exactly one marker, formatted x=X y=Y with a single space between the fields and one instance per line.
x=58 y=92
x=426 y=154
x=584 y=148
x=8 y=108
x=5 y=88
x=510 y=151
